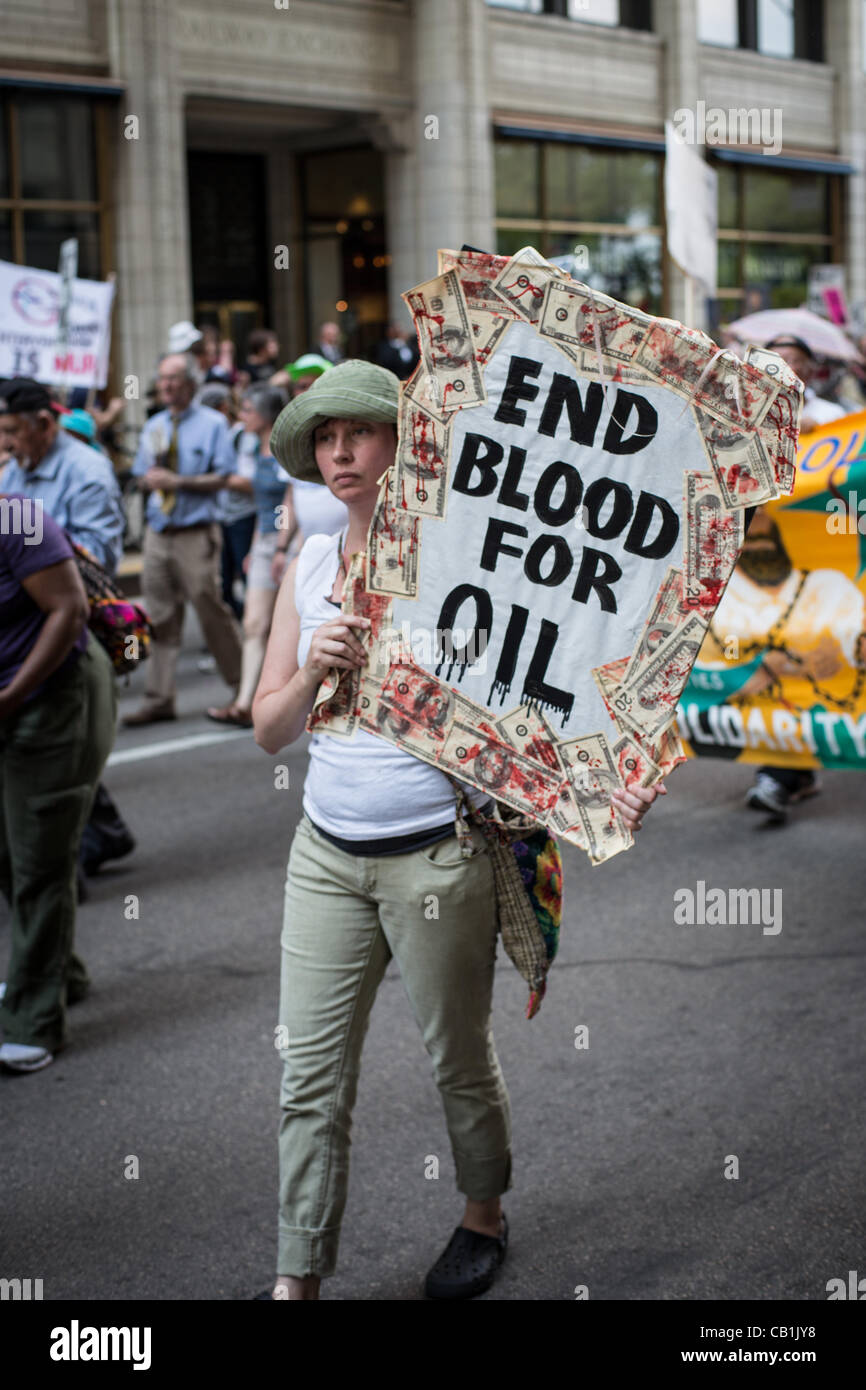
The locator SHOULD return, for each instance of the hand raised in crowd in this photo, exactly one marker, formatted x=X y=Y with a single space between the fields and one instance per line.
x=633 y=802
x=105 y=418
x=335 y=644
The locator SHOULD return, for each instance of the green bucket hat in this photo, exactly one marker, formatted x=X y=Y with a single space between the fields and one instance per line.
x=351 y=390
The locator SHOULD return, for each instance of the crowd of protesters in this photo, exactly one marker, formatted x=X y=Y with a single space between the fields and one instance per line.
x=220 y=518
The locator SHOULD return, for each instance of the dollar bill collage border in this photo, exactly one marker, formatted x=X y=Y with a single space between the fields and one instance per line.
x=747 y=413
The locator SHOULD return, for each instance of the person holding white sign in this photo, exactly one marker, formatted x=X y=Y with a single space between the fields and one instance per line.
x=375 y=871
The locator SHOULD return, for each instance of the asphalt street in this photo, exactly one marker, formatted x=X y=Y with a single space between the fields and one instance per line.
x=706 y=1043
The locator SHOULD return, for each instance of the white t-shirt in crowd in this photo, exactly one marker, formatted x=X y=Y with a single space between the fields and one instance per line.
x=317 y=510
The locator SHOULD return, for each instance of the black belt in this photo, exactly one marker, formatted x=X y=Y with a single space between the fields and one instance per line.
x=193 y=526
x=393 y=844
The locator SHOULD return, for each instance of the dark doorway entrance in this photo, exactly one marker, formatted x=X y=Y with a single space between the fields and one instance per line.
x=228 y=243
x=345 y=257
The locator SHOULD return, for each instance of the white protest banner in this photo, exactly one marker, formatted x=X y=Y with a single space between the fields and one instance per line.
x=30 y=327
x=563 y=514
x=691 y=209
x=826 y=293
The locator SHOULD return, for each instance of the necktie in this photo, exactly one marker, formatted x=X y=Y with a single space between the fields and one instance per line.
x=171 y=461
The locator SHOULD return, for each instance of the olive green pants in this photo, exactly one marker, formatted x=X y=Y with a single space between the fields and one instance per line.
x=345 y=917
x=52 y=752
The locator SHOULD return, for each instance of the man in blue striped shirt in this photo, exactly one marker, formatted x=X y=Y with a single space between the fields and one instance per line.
x=75 y=484
x=184 y=456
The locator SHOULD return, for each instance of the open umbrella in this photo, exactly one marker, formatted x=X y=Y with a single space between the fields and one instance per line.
x=823 y=337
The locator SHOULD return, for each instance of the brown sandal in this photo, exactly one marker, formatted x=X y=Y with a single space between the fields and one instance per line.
x=240 y=718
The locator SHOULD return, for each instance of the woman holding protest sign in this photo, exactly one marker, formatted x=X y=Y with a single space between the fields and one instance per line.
x=376 y=842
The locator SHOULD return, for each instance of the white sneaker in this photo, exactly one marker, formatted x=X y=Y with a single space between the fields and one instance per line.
x=768 y=795
x=20 y=1057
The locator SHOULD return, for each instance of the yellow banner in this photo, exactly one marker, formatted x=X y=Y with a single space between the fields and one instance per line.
x=781 y=676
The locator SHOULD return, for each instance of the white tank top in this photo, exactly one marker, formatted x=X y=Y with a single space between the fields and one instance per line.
x=361 y=788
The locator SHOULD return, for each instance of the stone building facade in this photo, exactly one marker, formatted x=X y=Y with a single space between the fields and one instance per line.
x=289 y=160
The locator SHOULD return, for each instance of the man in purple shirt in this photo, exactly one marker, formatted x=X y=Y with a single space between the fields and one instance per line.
x=57 y=716
x=76 y=487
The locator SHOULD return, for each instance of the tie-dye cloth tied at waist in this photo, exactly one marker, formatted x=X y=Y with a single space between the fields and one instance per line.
x=527 y=870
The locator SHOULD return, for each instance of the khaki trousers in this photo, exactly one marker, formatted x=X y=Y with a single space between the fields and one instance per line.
x=345 y=917
x=179 y=567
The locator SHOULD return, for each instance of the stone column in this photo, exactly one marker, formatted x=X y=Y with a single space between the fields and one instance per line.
x=451 y=140
x=676 y=23
x=402 y=229
x=150 y=186
x=845 y=41
x=393 y=134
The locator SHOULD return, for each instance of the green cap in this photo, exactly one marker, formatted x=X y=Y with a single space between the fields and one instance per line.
x=353 y=390
x=311 y=364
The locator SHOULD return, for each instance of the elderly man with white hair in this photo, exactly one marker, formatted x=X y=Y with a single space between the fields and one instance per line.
x=184 y=456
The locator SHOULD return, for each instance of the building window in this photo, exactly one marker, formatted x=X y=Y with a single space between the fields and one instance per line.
x=594 y=11
x=718 y=22
x=598 y=203
x=778 y=28
x=630 y=14
x=773 y=225
x=775 y=28
x=54 y=180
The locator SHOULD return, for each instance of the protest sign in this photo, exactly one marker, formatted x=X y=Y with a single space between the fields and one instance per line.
x=781 y=676
x=30 y=327
x=563 y=513
x=826 y=292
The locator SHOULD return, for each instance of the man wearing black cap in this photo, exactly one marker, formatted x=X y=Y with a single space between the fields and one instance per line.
x=775 y=788
x=75 y=484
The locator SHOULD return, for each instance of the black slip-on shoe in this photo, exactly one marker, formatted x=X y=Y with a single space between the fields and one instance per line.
x=468 y=1265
